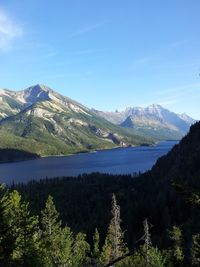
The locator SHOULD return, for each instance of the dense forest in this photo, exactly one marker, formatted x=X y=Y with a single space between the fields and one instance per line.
x=151 y=219
x=31 y=240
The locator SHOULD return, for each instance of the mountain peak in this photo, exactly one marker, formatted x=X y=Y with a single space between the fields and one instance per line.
x=153 y=120
x=36 y=93
x=39 y=87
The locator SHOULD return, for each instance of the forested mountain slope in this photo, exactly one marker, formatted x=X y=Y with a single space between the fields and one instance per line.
x=42 y=121
x=183 y=161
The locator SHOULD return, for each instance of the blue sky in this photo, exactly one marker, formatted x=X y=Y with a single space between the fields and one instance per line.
x=106 y=54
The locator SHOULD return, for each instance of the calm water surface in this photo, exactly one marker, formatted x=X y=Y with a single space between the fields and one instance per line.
x=116 y=161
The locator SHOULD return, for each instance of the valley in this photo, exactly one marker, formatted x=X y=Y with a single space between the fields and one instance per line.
x=99 y=133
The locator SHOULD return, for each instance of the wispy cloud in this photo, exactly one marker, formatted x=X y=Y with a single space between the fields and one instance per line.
x=87 y=29
x=176 y=44
x=172 y=96
x=147 y=62
x=156 y=59
x=9 y=30
x=180 y=90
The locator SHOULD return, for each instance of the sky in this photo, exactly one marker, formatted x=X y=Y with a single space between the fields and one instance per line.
x=105 y=54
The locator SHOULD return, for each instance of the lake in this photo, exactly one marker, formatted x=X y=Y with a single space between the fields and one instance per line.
x=115 y=161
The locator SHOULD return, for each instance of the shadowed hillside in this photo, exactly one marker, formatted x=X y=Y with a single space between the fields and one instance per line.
x=10 y=155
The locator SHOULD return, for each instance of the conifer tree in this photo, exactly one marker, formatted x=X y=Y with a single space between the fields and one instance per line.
x=147 y=242
x=57 y=241
x=64 y=248
x=96 y=249
x=81 y=251
x=7 y=240
x=114 y=246
x=25 y=231
x=51 y=231
x=177 y=250
x=195 y=250
x=50 y=220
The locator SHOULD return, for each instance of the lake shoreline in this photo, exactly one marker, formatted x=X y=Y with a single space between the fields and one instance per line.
x=84 y=152
x=107 y=149
x=119 y=160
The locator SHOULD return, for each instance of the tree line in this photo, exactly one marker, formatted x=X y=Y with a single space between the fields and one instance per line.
x=28 y=240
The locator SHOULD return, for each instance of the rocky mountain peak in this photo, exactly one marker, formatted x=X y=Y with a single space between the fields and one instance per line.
x=37 y=93
x=153 y=120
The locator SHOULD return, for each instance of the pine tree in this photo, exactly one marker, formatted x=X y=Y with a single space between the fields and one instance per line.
x=64 y=248
x=7 y=240
x=177 y=251
x=24 y=230
x=50 y=219
x=114 y=246
x=195 y=250
x=147 y=242
x=96 y=249
x=81 y=251
x=57 y=241
x=51 y=228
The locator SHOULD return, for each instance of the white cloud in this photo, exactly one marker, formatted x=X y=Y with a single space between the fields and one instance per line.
x=9 y=30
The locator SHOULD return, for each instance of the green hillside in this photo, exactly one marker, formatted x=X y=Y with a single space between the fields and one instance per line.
x=51 y=128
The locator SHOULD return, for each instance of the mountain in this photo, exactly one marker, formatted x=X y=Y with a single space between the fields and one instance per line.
x=41 y=121
x=187 y=118
x=154 y=121
x=114 y=117
x=12 y=102
x=9 y=105
x=183 y=160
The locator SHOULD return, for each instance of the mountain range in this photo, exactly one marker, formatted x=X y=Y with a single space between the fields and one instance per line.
x=154 y=121
x=41 y=121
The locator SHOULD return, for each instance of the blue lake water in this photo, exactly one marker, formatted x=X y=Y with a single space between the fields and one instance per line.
x=115 y=161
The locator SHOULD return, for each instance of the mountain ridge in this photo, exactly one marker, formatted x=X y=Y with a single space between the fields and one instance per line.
x=40 y=119
x=47 y=123
x=183 y=160
x=153 y=120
